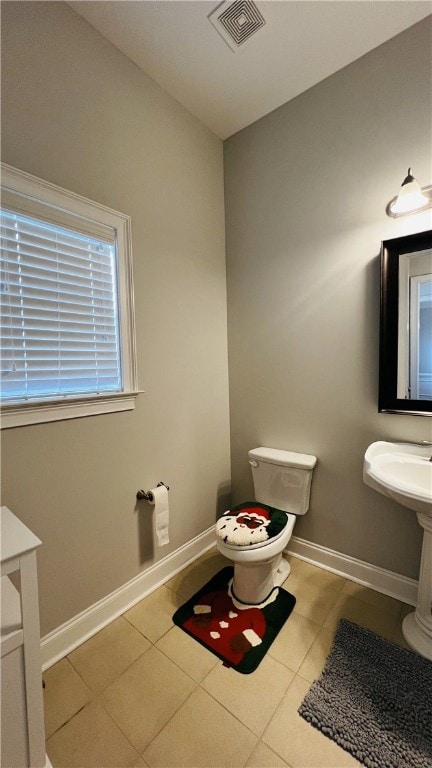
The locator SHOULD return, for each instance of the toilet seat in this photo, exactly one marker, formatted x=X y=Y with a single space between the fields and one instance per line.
x=256 y=556
x=259 y=544
x=251 y=526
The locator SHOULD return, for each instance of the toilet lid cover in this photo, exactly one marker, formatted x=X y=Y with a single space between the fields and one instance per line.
x=250 y=523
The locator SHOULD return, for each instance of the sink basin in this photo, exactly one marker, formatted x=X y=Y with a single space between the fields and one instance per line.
x=402 y=472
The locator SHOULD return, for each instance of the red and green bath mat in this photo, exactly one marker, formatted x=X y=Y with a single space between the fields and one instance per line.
x=238 y=634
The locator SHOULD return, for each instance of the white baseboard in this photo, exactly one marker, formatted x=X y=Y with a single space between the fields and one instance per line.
x=80 y=628
x=372 y=576
x=72 y=633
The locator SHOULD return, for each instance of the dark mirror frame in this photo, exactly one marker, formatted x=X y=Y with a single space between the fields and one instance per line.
x=388 y=359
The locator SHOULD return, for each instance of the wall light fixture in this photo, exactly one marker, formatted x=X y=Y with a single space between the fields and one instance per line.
x=411 y=198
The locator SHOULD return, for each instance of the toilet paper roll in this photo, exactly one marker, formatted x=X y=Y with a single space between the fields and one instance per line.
x=161 y=514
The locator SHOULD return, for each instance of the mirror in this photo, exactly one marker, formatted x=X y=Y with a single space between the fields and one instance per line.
x=405 y=378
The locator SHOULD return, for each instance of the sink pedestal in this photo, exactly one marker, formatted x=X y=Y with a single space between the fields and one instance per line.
x=403 y=472
x=417 y=626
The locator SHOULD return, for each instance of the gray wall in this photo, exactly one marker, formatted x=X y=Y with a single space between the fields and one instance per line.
x=78 y=113
x=306 y=189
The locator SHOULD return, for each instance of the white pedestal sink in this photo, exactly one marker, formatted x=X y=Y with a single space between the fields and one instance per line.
x=403 y=472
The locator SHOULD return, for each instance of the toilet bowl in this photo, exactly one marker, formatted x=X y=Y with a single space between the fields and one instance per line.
x=282 y=482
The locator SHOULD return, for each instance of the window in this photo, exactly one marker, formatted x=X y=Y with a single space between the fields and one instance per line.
x=420 y=336
x=67 y=342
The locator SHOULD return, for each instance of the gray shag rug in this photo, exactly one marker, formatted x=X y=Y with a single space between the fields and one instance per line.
x=374 y=699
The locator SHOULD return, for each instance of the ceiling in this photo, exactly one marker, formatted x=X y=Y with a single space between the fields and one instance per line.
x=301 y=43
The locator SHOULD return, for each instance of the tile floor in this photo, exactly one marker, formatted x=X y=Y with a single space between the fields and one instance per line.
x=143 y=693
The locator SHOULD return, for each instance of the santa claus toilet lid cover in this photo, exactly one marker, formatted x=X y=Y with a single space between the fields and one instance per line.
x=250 y=524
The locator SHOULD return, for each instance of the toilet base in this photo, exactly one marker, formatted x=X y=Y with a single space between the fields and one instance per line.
x=281 y=571
x=254 y=582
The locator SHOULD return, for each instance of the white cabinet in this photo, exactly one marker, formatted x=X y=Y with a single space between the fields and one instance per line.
x=22 y=721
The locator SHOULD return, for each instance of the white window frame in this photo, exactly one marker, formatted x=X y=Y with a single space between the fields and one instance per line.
x=66 y=207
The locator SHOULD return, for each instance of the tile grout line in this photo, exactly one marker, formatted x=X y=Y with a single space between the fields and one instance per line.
x=138 y=754
x=169 y=720
x=274 y=713
x=235 y=716
x=97 y=693
x=198 y=685
x=96 y=697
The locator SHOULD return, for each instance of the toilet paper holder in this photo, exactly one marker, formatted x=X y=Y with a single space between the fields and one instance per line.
x=147 y=495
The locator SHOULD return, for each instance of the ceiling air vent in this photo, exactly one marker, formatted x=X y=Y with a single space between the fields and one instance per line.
x=237 y=21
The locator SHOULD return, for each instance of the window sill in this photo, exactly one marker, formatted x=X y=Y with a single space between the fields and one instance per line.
x=26 y=414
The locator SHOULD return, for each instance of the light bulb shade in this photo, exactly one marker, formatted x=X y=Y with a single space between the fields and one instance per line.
x=410 y=197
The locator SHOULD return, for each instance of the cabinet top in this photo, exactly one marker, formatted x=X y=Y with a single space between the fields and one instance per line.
x=16 y=538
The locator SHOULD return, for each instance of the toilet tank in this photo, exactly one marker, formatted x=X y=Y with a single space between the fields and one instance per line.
x=282 y=479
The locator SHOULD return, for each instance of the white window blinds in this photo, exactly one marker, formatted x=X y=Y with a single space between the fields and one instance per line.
x=59 y=311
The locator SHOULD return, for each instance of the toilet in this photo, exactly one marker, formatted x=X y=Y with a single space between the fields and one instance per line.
x=254 y=535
